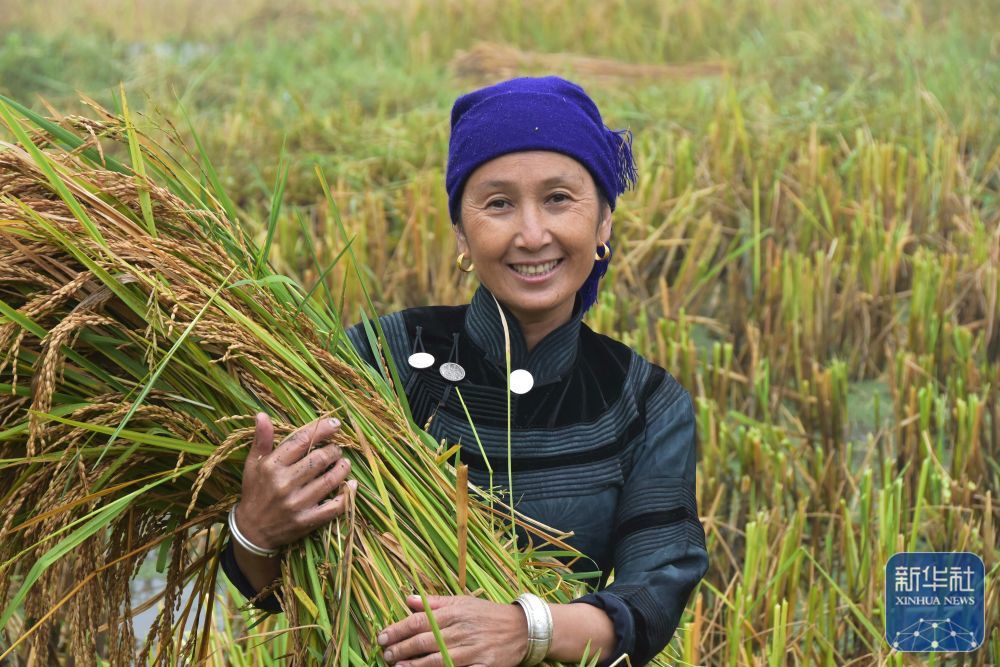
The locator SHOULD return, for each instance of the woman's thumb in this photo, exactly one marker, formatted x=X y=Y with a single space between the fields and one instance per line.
x=263 y=438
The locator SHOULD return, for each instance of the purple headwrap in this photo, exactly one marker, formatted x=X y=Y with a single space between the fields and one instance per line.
x=538 y=114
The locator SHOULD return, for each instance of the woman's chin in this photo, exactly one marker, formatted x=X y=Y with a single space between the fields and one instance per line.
x=537 y=306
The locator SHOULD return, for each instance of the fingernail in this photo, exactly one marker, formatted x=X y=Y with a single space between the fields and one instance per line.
x=383 y=639
x=334 y=422
x=388 y=655
x=353 y=483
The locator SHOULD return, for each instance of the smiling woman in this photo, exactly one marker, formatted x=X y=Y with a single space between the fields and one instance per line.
x=601 y=442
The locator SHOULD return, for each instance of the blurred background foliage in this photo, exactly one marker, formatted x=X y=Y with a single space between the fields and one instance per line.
x=812 y=249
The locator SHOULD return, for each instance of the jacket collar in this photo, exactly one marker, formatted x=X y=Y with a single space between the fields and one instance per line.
x=550 y=359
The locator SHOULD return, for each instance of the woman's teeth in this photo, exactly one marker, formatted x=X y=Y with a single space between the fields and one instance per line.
x=535 y=269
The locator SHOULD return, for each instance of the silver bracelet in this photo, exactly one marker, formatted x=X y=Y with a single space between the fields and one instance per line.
x=539 y=628
x=244 y=542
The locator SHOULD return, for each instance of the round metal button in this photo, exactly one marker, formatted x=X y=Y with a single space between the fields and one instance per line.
x=452 y=371
x=421 y=359
x=521 y=381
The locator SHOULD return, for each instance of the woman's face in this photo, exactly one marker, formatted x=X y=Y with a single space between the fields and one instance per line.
x=531 y=223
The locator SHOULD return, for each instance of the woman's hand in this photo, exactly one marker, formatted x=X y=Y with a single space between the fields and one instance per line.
x=476 y=632
x=286 y=490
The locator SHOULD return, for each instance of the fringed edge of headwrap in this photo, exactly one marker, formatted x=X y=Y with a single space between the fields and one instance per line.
x=628 y=177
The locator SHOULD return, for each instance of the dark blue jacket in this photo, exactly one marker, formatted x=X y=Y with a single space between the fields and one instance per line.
x=603 y=445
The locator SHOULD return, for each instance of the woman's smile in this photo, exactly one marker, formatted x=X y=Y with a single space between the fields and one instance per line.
x=536 y=272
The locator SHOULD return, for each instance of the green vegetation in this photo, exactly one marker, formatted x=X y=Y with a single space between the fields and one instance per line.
x=813 y=248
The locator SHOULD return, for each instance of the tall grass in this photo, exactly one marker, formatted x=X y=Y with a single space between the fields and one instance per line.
x=812 y=248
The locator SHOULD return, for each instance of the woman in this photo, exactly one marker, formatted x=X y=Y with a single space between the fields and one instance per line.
x=603 y=442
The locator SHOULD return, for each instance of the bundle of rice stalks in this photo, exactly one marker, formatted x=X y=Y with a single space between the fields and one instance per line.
x=140 y=332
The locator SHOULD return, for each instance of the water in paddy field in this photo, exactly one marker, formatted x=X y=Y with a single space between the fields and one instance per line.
x=149 y=583
x=869 y=408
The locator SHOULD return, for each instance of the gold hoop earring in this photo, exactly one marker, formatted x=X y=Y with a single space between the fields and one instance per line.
x=459 y=263
x=602 y=256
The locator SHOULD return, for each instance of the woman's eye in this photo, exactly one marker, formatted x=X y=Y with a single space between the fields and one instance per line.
x=558 y=198
x=497 y=204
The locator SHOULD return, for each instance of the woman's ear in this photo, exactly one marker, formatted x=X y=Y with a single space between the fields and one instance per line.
x=460 y=240
x=604 y=224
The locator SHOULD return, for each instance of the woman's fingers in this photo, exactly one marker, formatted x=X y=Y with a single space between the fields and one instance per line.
x=414 y=624
x=422 y=644
x=437 y=660
x=316 y=462
x=327 y=482
x=324 y=513
x=423 y=651
x=295 y=446
x=434 y=602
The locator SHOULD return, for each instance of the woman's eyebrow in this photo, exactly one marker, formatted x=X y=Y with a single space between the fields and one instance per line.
x=562 y=179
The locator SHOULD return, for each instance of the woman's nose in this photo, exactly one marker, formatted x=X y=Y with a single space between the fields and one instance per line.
x=533 y=233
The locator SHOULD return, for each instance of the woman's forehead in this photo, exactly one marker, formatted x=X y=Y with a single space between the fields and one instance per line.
x=530 y=169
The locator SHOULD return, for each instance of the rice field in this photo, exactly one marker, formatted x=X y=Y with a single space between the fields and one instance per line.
x=813 y=248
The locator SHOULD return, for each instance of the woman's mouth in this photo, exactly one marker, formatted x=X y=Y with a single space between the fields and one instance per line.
x=535 y=271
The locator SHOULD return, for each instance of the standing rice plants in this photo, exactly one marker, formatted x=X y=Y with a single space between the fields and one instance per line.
x=140 y=331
